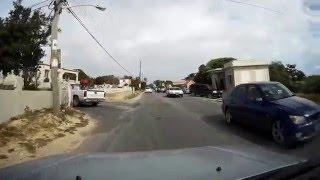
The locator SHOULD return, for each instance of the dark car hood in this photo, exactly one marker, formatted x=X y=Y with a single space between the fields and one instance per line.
x=297 y=105
x=193 y=163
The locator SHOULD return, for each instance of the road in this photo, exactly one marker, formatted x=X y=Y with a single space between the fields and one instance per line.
x=155 y=122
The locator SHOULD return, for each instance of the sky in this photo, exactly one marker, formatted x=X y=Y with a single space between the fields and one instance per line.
x=173 y=38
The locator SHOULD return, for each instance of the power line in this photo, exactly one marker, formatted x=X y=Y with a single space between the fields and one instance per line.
x=96 y=40
x=255 y=5
x=36 y=4
x=38 y=8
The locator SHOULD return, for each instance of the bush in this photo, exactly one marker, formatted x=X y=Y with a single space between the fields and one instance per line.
x=312 y=84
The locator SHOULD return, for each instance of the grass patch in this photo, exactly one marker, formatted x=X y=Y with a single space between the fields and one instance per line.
x=9 y=132
x=312 y=97
x=59 y=135
x=10 y=150
x=3 y=156
x=84 y=122
x=29 y=146
x=71 y=130
x=40 y=142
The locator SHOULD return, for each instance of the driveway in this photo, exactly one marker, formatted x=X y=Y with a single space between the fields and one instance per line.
x=156 y=122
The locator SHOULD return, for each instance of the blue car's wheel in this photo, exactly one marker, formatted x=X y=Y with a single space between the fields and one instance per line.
x=228 y=117
x=278 y=133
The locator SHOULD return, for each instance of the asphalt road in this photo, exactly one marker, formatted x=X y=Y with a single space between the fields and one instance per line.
x=155 y=122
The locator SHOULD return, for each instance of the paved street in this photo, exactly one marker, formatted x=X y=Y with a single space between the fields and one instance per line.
x=156 y=122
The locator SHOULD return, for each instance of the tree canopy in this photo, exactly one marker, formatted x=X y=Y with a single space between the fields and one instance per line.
x=22 y=35
x=108 y=79
x=82 y=75
x=203 y=75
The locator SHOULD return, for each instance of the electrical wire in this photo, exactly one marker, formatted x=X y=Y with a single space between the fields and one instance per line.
x=41 y=7
x=255 y=5
x=36 y=4
x=95 y=39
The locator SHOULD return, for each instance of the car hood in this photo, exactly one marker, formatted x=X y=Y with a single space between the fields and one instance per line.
x=193 y=163
x=297 y=105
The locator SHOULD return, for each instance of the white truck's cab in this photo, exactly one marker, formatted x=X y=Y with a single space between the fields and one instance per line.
x=86 y=95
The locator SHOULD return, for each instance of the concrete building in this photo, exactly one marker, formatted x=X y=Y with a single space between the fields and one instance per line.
x=238 y=72
x=44 y=79
x=124 y=82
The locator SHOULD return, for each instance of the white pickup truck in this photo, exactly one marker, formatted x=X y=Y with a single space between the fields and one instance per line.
x=82 y=95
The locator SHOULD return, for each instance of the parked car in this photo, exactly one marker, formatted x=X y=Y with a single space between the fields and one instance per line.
x=82 y=95
x=186 y=90
x=148 y=90
x=271 y=107
x=201 y=90
x=174 y=91
x=217 y=94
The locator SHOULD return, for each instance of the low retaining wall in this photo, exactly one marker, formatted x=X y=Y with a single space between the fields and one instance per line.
x=13 y=102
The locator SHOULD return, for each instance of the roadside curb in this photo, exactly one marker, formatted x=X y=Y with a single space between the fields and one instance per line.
x=135 y=99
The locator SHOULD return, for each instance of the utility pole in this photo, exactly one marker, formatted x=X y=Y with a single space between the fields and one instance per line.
x=54 y=59
x=140 y=70
x=140 y=75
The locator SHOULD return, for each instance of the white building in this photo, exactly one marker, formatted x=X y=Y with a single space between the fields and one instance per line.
x=124 y=82
x=238 y=72
x=44 y=79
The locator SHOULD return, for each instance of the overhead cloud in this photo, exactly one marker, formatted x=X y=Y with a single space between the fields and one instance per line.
x=172 y=38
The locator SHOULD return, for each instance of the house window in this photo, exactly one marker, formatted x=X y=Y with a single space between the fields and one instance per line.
x=230 y=79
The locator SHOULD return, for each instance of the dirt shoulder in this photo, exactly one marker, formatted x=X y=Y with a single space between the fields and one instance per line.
x=40 y=133
x=122 y=96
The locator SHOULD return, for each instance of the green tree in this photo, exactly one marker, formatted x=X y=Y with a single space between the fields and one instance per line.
x=108 y=79
x=135 y=82
x=312 y=84
x=190 y=76
x=278 y=72
x=82 y=75
x=99 y=80
x=294 y=73
x=204 y=73
x=158 y=83
x=219 y=62
x=168 y=82
x=23 y=34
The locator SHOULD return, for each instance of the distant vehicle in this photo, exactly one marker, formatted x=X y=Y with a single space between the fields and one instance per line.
x=217 y=94
x=174 y=91
x=186 y=90
x=201 y=90
x=271 y=107
x=163 y=90
x=148 y=90
x=85 y=95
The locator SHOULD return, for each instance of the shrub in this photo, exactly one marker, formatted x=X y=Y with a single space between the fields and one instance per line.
x=312 y=84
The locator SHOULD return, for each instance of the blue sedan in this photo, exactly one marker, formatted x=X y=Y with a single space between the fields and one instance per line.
x=272 y=107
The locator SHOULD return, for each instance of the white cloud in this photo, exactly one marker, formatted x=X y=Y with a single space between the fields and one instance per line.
x=173 y=38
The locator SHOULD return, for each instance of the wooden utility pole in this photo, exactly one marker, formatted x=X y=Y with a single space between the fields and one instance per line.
x=54 y=59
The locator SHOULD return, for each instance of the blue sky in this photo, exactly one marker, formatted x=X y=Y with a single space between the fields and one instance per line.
x=172 y=38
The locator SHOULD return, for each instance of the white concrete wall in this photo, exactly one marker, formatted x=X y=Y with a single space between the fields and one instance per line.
x=251 y=74
x=13 y=102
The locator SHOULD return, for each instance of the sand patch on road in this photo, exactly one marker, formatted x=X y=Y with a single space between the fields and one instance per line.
x=121 y=96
